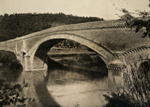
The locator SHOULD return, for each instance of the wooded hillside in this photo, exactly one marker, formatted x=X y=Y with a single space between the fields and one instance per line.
x=16 y=25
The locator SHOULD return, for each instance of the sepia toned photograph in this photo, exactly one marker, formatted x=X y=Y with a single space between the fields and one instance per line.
x=74 y=53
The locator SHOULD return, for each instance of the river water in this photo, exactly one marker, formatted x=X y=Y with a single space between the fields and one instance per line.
x=80 y=94
x=82 y=85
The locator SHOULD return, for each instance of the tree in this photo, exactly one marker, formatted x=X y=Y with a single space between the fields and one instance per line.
x=143 y=21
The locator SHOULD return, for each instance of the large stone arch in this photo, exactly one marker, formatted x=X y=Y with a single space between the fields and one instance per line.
x=105 y=54
x=35 y=78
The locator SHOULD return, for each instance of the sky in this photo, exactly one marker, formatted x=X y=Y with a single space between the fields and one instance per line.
x=107 y=9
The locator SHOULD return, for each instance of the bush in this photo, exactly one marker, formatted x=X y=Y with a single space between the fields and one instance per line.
x=10 y=94
x=115 y=100
x=11 y=67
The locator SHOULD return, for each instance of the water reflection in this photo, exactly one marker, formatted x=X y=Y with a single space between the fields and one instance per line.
x=81 y=80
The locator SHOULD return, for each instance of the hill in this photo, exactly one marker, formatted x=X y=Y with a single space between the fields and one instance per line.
x=16 y=25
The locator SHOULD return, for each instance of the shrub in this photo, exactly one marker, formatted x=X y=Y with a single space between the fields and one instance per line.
x=10 y=94
x=122 y=100
x=11 y=67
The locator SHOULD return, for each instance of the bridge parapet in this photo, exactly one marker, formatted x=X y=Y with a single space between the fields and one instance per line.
x=113 y=35
x=134 y=55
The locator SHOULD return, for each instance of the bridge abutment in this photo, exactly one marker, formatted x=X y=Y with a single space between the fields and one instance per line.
x=28 y=63
x=115 y=75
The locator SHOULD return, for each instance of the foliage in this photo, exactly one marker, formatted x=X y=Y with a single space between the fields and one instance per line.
x=141 y=22
x=115 y=100
x=67 y=44
x=136 y=89
x=9 y=93
x=9 y=72
x=138 y=82
x=16 y=25
x=11 y=67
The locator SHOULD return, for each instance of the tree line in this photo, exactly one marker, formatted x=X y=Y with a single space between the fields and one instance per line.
x=16 y=25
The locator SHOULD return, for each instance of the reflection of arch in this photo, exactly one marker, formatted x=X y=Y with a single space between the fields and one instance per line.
x=105 y=54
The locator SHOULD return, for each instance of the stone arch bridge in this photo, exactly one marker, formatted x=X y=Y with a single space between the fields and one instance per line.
x=117 y=45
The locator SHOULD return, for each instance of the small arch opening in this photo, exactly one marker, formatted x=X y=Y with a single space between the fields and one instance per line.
x=144 y=70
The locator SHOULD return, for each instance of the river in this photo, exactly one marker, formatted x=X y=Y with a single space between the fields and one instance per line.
x=80 y=94
x=82 y=85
